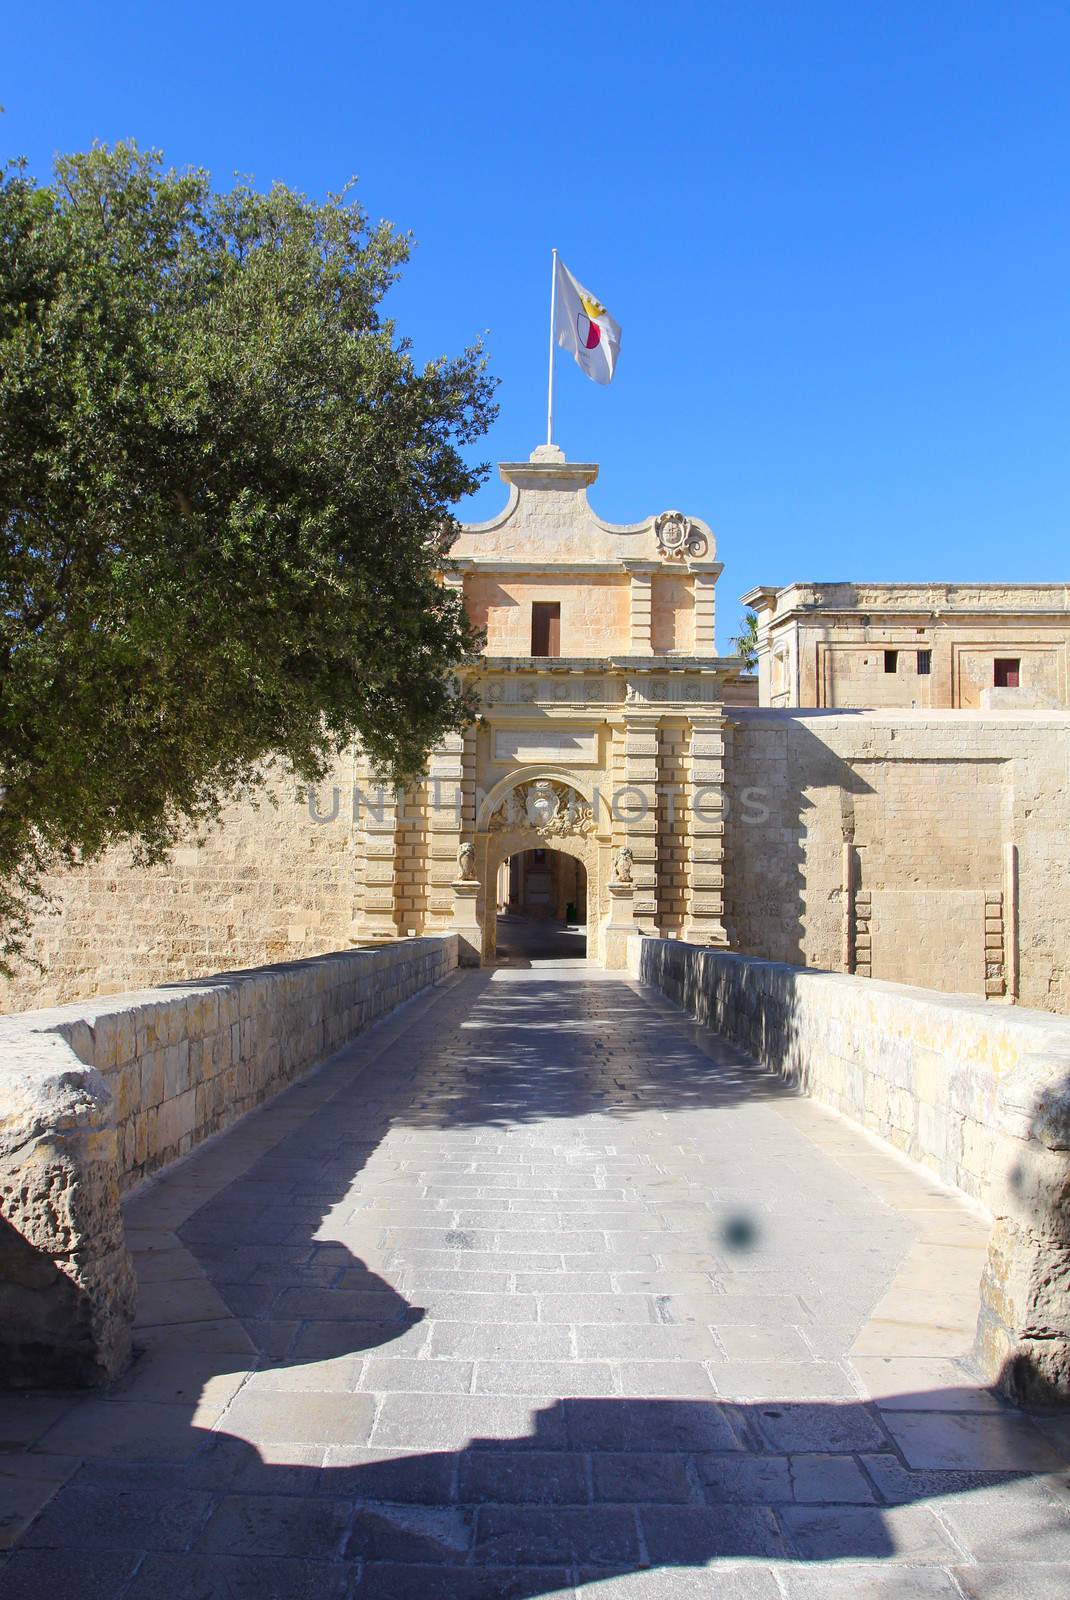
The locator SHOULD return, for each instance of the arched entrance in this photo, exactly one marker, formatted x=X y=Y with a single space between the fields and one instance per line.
x=541 y=906
x=555 y=813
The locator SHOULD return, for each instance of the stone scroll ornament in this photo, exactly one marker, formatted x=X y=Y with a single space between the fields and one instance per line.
x=678 y=537
x=551 y=809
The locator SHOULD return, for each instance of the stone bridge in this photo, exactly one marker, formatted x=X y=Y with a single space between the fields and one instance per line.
x=536 y=1286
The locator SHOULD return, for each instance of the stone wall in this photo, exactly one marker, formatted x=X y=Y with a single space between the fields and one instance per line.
x=595 y=611
x=912 y=846
x=672 y=614
x=978 y=1094
x=905 y=845
x=95 y=1097
x=825 y=644
x=268 y=883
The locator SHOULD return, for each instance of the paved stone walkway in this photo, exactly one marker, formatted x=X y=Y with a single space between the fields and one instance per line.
x=537 y=1289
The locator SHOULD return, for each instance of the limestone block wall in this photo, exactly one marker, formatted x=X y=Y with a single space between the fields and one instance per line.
x=267 y=883
x=595 y=610
x=978 y=1094
x=825 y=644
x=672 y=616
x=185 y=1061
x=913 y=846
x=906 y=845
x=674 y=823
x=95 y=1097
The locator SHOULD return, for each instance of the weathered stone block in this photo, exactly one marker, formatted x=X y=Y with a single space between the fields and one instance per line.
x=176 y=1069
x=66 y=1282
x=152 y=1077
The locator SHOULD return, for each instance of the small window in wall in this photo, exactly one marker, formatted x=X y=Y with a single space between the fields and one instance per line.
x=925 y=663
x=891 y=661
x=1005 y=672
x=546 y=628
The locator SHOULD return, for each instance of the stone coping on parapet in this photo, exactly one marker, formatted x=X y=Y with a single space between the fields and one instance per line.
x=842 y=597
x=544 y=465
x=320 y=969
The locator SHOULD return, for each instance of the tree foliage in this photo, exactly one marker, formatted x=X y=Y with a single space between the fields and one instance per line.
x=224 y=493
x=746 y=641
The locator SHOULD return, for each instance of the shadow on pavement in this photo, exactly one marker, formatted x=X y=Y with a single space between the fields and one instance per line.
x=369 y=1480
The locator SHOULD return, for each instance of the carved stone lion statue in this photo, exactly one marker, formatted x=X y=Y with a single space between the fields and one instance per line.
x=622 y=865
x=466 y=860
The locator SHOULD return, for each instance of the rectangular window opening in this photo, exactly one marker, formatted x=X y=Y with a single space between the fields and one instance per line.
x=1005 y=672
x=925 y=663
x=891 y=661
x=546 y=628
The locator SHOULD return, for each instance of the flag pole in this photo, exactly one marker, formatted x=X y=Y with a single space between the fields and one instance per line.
x=550 y=391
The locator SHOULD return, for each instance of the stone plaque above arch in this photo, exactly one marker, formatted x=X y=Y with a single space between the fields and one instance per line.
x=546 y=744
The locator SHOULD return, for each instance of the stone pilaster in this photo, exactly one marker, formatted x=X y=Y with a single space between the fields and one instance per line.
x=636 y=811
x=378 y=823
x=705 y=916
x=642 y=599
x=705 y=613
x=862 y=933
x=445 y=827
x=995 y=945
x=1010 y=917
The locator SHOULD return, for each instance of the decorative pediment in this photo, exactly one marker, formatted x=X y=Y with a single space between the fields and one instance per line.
x=548 y=520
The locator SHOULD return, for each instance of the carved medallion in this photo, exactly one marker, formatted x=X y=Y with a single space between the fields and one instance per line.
x=678 y=537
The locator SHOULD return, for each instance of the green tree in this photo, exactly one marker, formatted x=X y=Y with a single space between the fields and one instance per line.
x=745 y=641
x=224 y=492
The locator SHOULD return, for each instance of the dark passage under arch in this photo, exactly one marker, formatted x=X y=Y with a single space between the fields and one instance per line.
x=542 y=907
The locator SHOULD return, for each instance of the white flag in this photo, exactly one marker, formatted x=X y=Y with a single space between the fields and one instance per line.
x=584 y=326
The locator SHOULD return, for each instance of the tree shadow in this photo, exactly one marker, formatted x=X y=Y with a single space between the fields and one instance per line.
x=384 y=1483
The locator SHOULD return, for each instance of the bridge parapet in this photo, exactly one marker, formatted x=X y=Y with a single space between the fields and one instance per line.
x=97 y=1096
x=978 y=1094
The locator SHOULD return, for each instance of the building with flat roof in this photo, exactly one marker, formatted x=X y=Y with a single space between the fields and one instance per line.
x=961 y=646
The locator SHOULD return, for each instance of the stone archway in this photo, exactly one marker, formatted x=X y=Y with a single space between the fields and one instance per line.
x=538 y=809
x=499 y=847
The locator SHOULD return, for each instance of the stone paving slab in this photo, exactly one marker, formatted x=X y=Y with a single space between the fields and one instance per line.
x=539 y=1289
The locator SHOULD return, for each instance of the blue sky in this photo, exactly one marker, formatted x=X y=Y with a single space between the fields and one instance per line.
x=837 y=236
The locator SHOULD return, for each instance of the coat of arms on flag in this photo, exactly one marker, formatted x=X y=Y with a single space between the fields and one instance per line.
x=583 y=325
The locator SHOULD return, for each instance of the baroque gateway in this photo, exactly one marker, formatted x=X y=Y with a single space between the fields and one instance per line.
x=889 y=797
x=602 y=738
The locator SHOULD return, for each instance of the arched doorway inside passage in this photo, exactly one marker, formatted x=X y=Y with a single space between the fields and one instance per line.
x=541 y=907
